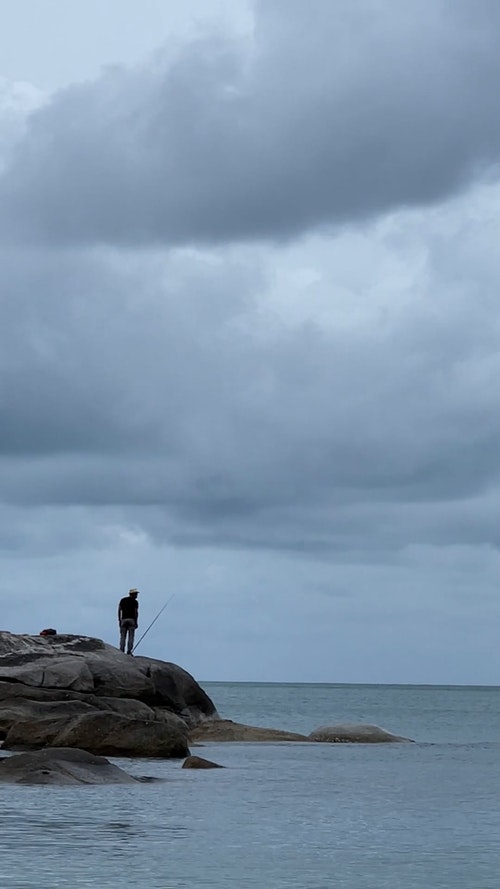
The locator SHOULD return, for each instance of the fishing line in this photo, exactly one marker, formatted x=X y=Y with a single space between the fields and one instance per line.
x=153 y=621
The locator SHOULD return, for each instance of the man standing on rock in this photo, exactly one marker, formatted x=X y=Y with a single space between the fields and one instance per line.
x=128 y=619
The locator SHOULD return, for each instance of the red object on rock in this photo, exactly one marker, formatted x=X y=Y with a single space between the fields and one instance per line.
x=49 y=632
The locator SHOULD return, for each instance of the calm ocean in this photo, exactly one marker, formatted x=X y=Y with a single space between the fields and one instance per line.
x=307 y=816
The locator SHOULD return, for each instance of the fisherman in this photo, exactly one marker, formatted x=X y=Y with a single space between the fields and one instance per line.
x=128 y=618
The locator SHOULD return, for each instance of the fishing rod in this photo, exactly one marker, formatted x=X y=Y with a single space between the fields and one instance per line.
x=153 y=621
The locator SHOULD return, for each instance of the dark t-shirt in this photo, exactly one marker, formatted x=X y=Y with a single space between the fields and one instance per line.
x=129 y=607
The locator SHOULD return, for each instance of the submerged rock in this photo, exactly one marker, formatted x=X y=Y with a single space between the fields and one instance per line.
x=226 y=730
x=354 y=734
x=197 y=762
x=61 y=766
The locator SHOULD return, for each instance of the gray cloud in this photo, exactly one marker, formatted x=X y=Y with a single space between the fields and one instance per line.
x=299 y=437
x=162 y=386
x=324 y=116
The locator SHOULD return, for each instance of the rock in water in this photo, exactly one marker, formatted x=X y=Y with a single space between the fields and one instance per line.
x=61 y=766
x=197 y=762
x=77 y=691
x=108 y=734
x=101 y=733
x=89 y=666
x=226 y=730
x=354 y=734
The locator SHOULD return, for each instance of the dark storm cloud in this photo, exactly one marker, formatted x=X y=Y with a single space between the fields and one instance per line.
x=331 y=112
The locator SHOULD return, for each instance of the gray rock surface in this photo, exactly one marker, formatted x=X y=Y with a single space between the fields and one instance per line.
x=61 y=767
x=70 y=673
x=85 y=665
x=354 y=734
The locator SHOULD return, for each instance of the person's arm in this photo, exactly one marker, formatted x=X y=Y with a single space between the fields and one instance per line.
x=136 y=614
x=119 y=612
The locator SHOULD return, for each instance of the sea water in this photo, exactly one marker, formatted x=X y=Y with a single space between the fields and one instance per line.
x=307 y=816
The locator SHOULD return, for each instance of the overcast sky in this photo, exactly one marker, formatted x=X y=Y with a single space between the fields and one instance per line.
x=249 y=332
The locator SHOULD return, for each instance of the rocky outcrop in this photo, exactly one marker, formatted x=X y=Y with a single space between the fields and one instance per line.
x=226 y=730
x=197 y=762
x=89 y=666
x=62 y=767
x=80 y=692
x=75 y=691
x=354 y=734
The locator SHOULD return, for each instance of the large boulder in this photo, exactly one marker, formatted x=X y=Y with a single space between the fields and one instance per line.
x=78 y=663
x=75 y=691
x=354 y=734
x=175 y=689
x=85 y=666
x=36 y=716
x=61 y=766
x=226 y=730
x=112 y=735
x=102 y=733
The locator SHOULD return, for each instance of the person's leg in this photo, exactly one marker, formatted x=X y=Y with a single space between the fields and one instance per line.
x=123 y=635
x=131 y=637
